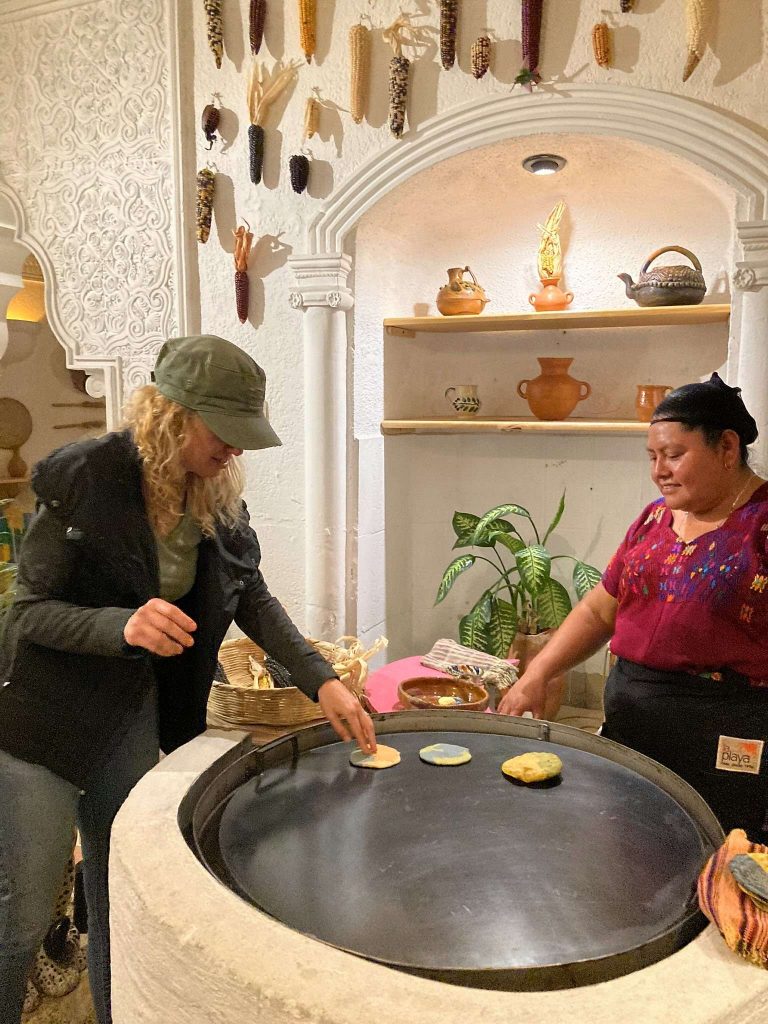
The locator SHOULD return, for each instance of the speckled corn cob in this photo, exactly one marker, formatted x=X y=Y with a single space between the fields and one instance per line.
x=299 y=168
x=258 y=13
x=398 y=93
x=481 y=56
x=359 y=70
x=205 y=189
x=449 y=11
x=601 y=44
x=213 y=21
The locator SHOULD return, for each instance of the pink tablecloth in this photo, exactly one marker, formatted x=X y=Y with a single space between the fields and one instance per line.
x=381 y=685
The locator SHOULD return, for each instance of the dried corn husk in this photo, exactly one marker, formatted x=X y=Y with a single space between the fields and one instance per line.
x=214 y=29
x=601 y=44
x=345 y=655
x=205 y=188
x=311 y=117
x=263 y=90
x=480 y=56
x=307 y=19
x=449 y=14
x=256 y=18
x=243 y=241
x=550 y=257
x=697 y=13
x=262 y=678
x=359 y=70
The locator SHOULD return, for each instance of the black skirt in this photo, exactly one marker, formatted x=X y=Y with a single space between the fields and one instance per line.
x=684 y=722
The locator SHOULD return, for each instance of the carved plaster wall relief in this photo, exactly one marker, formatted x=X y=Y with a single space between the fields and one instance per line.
x=86 y=148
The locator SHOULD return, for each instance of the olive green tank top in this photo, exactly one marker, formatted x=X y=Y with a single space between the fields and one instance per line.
x=177 y=555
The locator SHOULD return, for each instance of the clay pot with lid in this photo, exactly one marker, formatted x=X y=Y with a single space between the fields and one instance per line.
x=554 y=394
x=460 y=296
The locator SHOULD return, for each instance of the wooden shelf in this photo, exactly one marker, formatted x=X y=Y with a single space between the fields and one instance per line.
x=503 y=425
x=637 y=316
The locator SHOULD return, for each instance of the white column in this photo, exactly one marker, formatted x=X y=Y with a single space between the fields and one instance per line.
x=748 y=362
x=321 y=291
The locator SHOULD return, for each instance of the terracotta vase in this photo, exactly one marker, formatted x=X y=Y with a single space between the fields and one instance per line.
x=647 y=398
x=460 y=296
x=551 y=297
x=525 y=647
x=554 y=394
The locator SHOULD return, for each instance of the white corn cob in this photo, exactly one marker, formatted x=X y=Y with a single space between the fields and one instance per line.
x=696 y=16
x=359 y=70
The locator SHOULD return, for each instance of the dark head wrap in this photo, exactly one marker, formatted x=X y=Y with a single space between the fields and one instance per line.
x=712 y=405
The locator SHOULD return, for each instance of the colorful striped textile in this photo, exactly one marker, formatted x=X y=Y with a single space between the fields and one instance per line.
x=741 y=923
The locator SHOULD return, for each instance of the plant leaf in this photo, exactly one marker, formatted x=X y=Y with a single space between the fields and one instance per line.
x=553 y=604
x=473 y=632
x=498 y=513
x=502 y=626
x=482 y=538
x=509 y=540
x=558 y=516
x=454 y=570
x=585 y=577
x=534 y=564
x=464 y=523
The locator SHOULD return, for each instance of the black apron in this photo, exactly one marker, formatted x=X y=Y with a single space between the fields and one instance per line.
x=690 y=724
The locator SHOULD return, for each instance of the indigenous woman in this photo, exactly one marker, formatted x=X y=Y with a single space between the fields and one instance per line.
x=138 y=560
x=684 y=603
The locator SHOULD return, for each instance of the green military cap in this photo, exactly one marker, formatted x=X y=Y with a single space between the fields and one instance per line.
x=221 y=383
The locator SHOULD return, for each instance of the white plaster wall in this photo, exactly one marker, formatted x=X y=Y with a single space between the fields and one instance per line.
x=649 y=52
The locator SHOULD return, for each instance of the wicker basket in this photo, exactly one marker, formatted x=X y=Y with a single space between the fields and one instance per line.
x=239 y=703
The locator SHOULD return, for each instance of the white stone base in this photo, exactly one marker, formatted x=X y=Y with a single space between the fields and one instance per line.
x=184 y=948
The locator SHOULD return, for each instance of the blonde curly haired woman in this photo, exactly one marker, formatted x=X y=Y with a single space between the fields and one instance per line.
x=139 y=558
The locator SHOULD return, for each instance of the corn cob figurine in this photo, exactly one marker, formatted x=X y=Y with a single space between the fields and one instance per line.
x=528 y=75
x=206 y=180
x=697 y=14
x=601 y=44
x=210 y=122
x=214 y=26
x=263 y=90
x=311 y=117
x=307 y=22
x=399 y=33
x=243 y=240
x=449 y=12
x=359 y=70
x=299 y=169
x=481 y=56
x=256 y=17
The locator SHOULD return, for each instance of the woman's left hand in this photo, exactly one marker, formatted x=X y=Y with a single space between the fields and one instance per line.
x=339 y=704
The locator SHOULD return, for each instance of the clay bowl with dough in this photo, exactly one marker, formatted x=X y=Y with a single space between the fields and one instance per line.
x=426 y=691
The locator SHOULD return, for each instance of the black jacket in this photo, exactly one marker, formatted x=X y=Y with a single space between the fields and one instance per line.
x=89 y=560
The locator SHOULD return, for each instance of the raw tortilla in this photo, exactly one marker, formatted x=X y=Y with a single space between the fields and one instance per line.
x=533 y=767
x=385 y=757
x=444 y=753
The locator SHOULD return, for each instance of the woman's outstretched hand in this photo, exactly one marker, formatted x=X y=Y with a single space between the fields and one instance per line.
x=527 y=694
x=160 y=627
x=339 y=705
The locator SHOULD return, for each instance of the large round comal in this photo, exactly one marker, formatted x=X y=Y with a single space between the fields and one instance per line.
x=459 y=873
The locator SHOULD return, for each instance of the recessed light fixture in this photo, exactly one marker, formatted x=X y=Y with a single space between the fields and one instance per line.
x=544 y=163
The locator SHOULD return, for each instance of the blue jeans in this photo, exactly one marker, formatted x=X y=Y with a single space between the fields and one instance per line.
x=38 y=815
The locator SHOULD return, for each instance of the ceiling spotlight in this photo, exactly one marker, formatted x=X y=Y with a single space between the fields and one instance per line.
x=544 y=163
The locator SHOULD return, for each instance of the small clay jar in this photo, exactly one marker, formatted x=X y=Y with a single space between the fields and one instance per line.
x=551 y=297
x=647 y=398
x=461 y=297
x=554 y=394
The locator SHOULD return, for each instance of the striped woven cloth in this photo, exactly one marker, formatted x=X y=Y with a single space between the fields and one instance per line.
x=448 y=656
x=741 y=923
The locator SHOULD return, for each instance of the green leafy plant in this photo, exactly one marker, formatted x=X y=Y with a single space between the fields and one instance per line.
x=525 y=597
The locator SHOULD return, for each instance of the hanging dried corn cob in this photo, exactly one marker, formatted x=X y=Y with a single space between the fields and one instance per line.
x=299 y=167
x=480 y=55
x=213 y=23
x=311 y=117
x=206 y=180
x=263 y=90
x=399 y=33
x=550 y=255
x=531 y=38
x=359 y=70
x=307 y=18
x=243 y=240
x=210 y=122
x=626 y=6
x=256 y=17
x=449 y=14
x=697 y=14
x=601 y=44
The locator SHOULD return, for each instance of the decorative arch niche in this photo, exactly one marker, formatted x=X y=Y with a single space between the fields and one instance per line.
x=715 y=142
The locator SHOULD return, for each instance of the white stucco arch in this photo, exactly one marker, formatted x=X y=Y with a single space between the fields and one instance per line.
x=716 y=142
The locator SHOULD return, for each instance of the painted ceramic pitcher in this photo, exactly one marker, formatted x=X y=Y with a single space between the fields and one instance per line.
x=464 y=399
x=647 y=398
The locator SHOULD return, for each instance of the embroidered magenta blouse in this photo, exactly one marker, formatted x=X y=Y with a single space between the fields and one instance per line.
x=697 y=607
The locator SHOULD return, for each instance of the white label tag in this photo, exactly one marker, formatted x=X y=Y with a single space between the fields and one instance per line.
x=738 y=755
